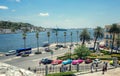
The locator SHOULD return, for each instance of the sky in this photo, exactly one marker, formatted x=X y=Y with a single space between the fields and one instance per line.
x=61 y=13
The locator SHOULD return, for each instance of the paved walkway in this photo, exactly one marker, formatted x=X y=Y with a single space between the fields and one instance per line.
x=111 y=72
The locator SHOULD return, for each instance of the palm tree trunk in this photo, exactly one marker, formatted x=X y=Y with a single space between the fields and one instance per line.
x=77 y=38
x=65 y=41
x=71 y=40
x=83 y=41
x=113 y=42
x=48 y=41
x=57 y=39
x=95 y=42
x=24 y=43
x=37 y=45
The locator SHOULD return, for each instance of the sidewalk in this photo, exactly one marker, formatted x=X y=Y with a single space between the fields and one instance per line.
x=111 y=72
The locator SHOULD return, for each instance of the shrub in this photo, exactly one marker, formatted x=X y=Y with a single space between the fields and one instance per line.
x=116 y=55
x=38 y=52
x=62 y=74
x=93 y=55
x=105 y=52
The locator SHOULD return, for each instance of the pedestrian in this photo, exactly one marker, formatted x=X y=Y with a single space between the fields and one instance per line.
x=50 y=68
x=35 y=70
x=96 y=66
x=103 y=68
x=29 y=68
x=106 y=65
x=92 y=67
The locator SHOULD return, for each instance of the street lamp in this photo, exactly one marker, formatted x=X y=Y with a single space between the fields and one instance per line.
x=70 y=52
x=70 y=58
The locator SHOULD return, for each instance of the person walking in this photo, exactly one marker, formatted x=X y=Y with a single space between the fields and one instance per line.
x=92 y=67
x=106 y=65
x=103 y=68
x=96 y=66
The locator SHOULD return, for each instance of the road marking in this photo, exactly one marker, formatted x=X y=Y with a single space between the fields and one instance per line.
x=11 y=59
x=48 y=57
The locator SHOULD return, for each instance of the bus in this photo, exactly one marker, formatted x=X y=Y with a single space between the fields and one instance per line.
x=22 y=51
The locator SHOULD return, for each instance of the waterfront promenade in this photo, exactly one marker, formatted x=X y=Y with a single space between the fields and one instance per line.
x=111 y=72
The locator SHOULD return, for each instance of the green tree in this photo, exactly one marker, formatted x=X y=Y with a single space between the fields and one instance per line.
x=82 y=51
x=65 y=39
x=84 y=36
x=98 y=33
x=113 y=30
x=24 y=38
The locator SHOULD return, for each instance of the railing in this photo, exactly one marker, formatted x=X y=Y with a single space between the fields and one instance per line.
x=42 y=70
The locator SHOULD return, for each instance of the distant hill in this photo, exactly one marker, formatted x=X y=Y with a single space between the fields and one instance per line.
x=15 y=26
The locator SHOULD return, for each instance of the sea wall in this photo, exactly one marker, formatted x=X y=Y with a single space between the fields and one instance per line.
x=8 y=70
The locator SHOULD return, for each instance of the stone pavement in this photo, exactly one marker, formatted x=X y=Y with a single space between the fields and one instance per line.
x=111 y=72
x=8 y=70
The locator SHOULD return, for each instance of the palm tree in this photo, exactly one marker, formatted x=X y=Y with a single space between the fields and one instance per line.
x=48 y=35
x=37 y=36
x=98 y=33
x=77 y=36
x=65 y=38
x=84 y=36
x=113 y=30
x=71 y=37
x=56 y=33
x=24 y=38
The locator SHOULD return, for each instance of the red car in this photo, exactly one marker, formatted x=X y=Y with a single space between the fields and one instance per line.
x=87 y=61
x=56 y=62
x=74 y=62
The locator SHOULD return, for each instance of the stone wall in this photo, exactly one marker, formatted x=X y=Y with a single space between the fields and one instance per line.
x=8 y=70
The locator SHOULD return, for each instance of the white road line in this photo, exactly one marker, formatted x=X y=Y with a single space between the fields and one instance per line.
x=48 y=57
x=11 y=59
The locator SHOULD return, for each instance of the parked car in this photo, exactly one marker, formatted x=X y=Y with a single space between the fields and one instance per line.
x=91 y=48
x=97 y=61
x=47 y=50
x=111 y=62
x=46 y=61
x=55 y=62
x=74 y=62
x=46 y=45
x=68 y=61
x=11 y=52
x=87 y=61
x=59 y=46
x=102 y=46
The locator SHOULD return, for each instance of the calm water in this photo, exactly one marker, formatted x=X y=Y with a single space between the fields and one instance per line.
x=15 y=41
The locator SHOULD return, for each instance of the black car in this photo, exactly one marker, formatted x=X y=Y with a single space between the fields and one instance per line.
x=46 y=45
x=59 y=46
x=46 y=61
x=47 y=50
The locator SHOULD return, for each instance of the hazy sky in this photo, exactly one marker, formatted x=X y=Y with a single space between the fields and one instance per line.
x=61 y=13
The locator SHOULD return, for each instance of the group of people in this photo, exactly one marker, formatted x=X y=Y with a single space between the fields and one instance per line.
x=95 y=66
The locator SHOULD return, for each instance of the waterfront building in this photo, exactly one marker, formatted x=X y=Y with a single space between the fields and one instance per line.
x=108 y=37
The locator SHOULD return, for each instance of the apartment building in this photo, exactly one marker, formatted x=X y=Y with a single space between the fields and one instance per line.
x=108 y=37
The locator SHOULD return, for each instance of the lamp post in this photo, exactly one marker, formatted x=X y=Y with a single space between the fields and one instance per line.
x=70 y=58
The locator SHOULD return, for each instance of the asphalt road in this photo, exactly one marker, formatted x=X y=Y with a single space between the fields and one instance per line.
x=30 y=61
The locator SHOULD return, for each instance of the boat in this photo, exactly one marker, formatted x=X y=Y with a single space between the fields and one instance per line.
x=58 y=29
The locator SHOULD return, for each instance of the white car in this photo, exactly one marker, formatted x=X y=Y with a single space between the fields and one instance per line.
x=97 y=61
x=11 y=52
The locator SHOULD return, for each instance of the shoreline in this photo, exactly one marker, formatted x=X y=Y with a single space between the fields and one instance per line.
x=53 y=45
